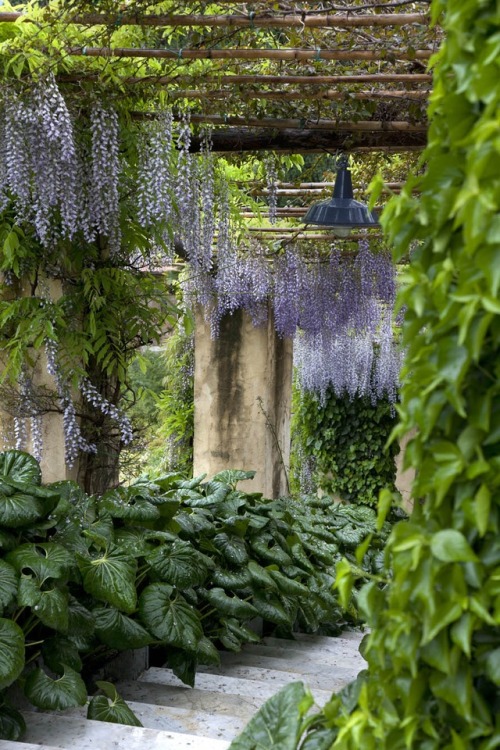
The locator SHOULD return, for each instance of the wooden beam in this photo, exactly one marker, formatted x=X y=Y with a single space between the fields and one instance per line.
x=332 y=125
x=252 y=20
x=289 y=96
x=311 y=141
x=379 y=55
x=268 y=80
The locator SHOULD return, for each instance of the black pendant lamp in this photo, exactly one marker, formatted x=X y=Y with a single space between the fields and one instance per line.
x=341 y=213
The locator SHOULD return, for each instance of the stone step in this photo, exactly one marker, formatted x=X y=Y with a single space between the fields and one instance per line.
x=76 y=733
x=11 y=745
x=300 y=665
x=228 y=684
x=335 y=657
x=313 y=678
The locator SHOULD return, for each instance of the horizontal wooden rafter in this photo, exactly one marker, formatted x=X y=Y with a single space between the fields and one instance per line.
x=251 y=20
x=310 y=141
x=252 y=54
x=290 y=96
x=275 y=123
x=268 y=80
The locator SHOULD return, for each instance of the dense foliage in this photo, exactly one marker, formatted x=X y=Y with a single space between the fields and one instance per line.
x=184 y=565
x=433 y=654
x=339 y=445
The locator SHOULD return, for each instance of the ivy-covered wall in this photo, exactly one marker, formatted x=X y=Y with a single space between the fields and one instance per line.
x=342 y=441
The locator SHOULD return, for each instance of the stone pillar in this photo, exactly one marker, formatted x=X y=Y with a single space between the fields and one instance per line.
x=405 y=477
x=53 y=463
x=242 y=402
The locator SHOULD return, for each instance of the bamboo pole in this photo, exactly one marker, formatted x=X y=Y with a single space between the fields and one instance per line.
x=223 y=80
x=285 y=124
x=325 y=237
x=290 y=96
x=252 y=20
x=251 y=54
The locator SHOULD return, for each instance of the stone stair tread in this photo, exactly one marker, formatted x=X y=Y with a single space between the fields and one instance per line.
x=354 y=636
x=182 y=719
x=20 y=745
x=299 y=666
x=227 y=684
x=327 y=655
x=314 y=642
x=76 y=733
x=326 y=680
x=192 y=699
x=215 y=702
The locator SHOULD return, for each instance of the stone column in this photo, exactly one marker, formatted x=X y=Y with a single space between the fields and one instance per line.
x=242 y=401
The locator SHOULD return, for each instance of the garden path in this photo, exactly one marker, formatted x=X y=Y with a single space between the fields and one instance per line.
x=209 y=716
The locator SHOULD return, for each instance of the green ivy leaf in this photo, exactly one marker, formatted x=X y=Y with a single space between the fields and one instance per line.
x=11 y=652
x=55 y=695
x=450 y=545
x=111 y=707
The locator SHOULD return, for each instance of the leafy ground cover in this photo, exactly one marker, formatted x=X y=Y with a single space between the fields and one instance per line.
x=182 y=565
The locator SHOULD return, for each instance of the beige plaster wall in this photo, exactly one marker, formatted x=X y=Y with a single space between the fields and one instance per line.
x=404 y=477
x=242 y=397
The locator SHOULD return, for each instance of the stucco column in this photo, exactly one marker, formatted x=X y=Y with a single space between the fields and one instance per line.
x=242 y=401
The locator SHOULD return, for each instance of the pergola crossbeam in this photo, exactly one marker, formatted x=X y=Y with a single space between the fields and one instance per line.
x=251 y=20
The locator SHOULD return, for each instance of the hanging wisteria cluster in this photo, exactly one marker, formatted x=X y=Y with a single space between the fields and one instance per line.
x=66 y=176
x=338 y=310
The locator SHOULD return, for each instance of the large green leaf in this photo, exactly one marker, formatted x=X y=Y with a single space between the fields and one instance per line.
x=49 y=602
x=123 y=503
x=20 y=466
x=169 y=617
x=12 y=724
x=183 y=664
x=232 y=547
x=111 y=707
x=206 y=653
x=64 y=692
x=118 y=631
x=46 y=560
x=111 y=578
x=230 y=579
x=20 y=510
x=278 y=724
x=80 y=621
x=271 y=608
x=261 y=576
x=233 y=476
x=232 y=606
x=180 y=564
x=58 y=652
x=8 y=540
x=288 y=585
x=8 y=583
x=11 y=652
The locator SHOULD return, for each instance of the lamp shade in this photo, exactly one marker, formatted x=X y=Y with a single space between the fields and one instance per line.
x=341 y=211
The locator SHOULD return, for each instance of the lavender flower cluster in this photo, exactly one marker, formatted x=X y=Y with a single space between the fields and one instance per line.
x=338 y=310
x=74 y=441
x=97 y=400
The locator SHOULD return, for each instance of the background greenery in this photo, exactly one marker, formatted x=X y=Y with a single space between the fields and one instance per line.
x=339 y=445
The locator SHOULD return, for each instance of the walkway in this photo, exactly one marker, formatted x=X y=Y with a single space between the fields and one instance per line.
x=208 y=717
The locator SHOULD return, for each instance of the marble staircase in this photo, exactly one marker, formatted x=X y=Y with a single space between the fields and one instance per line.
x=210 y=715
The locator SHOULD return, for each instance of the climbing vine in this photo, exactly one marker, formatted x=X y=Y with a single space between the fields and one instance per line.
x=339 y=445
x=433 y=654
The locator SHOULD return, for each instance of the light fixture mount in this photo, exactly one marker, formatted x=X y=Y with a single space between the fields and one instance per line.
x=341 y=212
